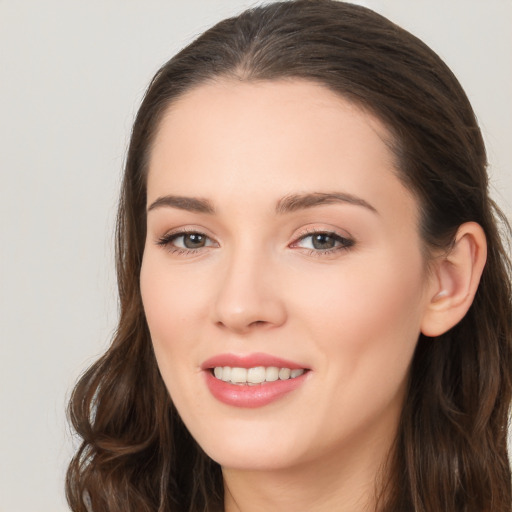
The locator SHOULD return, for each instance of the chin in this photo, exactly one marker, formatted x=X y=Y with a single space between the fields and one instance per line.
x=250 y=451
x=252 y=459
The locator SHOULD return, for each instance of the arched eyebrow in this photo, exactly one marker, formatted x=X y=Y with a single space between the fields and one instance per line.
x=296 y=202
x=191 y=204
x=290 y=203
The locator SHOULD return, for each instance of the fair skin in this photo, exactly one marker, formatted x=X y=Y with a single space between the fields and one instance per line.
x=232 y=266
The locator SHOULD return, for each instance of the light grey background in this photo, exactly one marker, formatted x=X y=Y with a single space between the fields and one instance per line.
x=71 y=76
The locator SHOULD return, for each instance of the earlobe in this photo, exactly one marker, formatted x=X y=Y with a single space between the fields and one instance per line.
x=455 y=278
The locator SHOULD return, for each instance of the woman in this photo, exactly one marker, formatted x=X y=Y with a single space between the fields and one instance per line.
x=315 y=301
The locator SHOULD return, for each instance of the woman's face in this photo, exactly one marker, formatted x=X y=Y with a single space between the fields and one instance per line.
x=280 y=239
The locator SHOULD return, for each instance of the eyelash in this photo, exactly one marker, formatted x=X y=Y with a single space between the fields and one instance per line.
x=344 y=242
x=167 y=239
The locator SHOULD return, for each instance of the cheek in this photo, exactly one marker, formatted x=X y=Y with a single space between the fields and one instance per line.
x=366 y=296
x=174 y=307
x=171 y=299
x=366 y=320
x=365 y=326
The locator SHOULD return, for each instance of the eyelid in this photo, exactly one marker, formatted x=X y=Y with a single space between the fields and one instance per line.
x=167 y=238
x=346 y=240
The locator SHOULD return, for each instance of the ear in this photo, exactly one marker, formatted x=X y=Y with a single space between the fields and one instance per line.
x=455 y=279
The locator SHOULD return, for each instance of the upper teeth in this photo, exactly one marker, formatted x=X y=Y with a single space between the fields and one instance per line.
x=255 y=375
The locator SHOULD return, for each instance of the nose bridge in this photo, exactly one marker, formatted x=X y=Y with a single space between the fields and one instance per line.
x=248 y=294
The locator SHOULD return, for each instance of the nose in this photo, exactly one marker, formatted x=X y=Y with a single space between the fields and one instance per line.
x=249 y=295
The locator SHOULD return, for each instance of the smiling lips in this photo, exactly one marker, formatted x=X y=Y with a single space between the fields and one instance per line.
x=251 y=381
x=256 y=375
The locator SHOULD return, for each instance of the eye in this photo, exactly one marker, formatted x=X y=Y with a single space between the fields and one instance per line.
x=323 y=241
x=190 y=241
x=185 y=241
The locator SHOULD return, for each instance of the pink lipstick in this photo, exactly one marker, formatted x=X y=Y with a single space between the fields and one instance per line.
x=252 y=380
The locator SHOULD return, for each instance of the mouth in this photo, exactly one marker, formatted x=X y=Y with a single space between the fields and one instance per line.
x=252 y=380
x=255 y=375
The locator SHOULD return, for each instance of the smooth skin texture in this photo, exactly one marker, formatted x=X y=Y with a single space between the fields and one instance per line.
x=240 y=271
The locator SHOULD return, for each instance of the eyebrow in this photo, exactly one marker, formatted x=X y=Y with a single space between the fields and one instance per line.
x=191 y=204
x=287 y=204
x=296 y=202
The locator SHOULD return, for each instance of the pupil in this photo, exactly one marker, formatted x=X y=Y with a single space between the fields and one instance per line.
x=193 y=241
x=323 y=241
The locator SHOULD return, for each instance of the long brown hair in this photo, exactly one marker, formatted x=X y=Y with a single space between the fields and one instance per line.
x=450 y=452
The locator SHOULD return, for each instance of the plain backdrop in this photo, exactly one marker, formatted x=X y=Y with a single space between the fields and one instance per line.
x=72 y=74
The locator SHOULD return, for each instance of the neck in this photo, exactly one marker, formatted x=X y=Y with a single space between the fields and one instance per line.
x=348 y=483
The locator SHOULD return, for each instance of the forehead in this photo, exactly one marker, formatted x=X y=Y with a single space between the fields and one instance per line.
x=246 y=103
x=270 y=138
